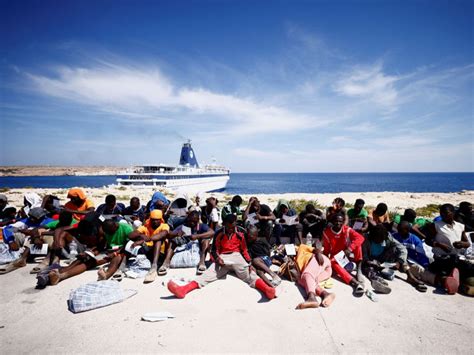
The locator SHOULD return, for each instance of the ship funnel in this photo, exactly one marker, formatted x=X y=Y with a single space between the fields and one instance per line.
x=188 y=158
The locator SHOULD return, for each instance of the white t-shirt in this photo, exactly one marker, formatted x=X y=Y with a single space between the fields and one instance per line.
x=447 y=234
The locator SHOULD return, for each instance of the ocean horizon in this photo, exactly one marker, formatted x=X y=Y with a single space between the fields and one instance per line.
x=275 y=183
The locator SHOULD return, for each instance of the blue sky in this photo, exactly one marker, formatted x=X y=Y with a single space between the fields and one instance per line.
x=261 y=86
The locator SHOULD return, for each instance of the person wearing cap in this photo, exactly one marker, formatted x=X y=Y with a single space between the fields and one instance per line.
x=79 y=204
x=18 y=234
x=152 y=236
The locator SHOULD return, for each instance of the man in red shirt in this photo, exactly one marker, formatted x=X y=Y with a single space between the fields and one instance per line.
x=341 y=238
x=230 y=254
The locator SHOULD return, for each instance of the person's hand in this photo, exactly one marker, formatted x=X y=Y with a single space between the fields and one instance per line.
x=194 y=237
x=220 y=261
x=137 y=243
x=348 y=252
x=443 y=246
x=319 y=258
x=282 y=221
x=458 y=245
x=258 y=216
x=14 y=246
x=38 y=242
x=396 y=266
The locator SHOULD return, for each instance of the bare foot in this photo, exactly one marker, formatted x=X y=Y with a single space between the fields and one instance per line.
x=54 y=277
x=308 y=304
x=19 y=263
x=328 y=299
x=102 y=275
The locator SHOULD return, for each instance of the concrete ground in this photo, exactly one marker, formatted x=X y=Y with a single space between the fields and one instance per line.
x=228 y=316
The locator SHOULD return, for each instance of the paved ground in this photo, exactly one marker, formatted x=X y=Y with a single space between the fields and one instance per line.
x=228 y=316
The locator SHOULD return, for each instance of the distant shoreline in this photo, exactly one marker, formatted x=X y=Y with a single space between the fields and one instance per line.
x=103 y=170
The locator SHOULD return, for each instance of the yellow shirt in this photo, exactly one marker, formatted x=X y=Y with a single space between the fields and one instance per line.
x=148 y=231
x=303 y=256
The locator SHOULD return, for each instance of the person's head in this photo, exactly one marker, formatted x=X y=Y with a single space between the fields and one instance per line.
x=252 y=233
x=309 y=208
x=337 y=221
x=255 y=204
x=159 y=201
x=110 y=226
x=211 y=202
x=51 y=203
x=409 y=215
x=404 y=229
x=36 y=215
x=465 y=208
x=359 y=205
x=378 y=234
x=229 y=223
x=110 y=202
x=180 y=203
x=381 y=209
x=9 y=212
x=198 y=198
x=3 y=201
x=447 y=213
x=156 y=218
x=65 y=219
x=236 y=201
x=77 y=196
x=283 y=208
x=32 y=199
x=192 y=219
x=338 y=203
x=135 y=203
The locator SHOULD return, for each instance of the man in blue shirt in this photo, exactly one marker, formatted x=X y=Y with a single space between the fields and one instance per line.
x=414 y=245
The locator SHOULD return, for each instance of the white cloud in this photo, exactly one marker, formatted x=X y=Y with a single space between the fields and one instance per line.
x=370 y=84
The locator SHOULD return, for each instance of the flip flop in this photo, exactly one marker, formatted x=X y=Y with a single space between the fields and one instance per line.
x=201 y=268
x=150 y=276
x=379 y=287
x=162 y=271
x=117 y=277
x=421 y=287
x=359 y=291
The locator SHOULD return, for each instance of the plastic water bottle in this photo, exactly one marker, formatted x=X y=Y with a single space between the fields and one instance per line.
x=73 y=249
x=309 y=239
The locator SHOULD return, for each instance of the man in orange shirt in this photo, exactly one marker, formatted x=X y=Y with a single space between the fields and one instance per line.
x=79 y=204
x=153 y=234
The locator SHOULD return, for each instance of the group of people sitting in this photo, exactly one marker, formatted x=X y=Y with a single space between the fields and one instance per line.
x=251 y=242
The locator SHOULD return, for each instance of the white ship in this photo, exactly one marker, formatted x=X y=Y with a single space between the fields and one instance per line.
x=188 y=176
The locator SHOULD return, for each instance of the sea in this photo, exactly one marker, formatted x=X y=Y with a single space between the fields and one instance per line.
x=275 y=183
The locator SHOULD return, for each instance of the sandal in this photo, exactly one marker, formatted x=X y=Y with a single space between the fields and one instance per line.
x=421 y=287
x=117 y=277
x=163 y=270
x=380 y=287
x=359 y=291
x=150 y=276
x=201 y=268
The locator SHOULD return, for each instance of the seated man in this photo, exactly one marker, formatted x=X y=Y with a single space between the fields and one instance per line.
x=465 y=216
x=379 y=248
x=178 y=237
x=52 y=205
x=153 y=236
x=413 y=244
x=417 y=225
x=312 y=221
x=7 y=212
x=358 y=217
x=337 y=238
x=230 y=254
x=449 y=241
x=111 y=207
x=210 y=214
x=30 y=200
x=261 y=216
x=314 y=267
x=158 y=201
x=20 y=233
x=90 y=239
x=233 y=207
x=284 y=229
x=337 y=207
x=79 y=205
x=177 y=211
x=117 y=235
x=379 y=215
x=135 y=212
x=259 y=251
